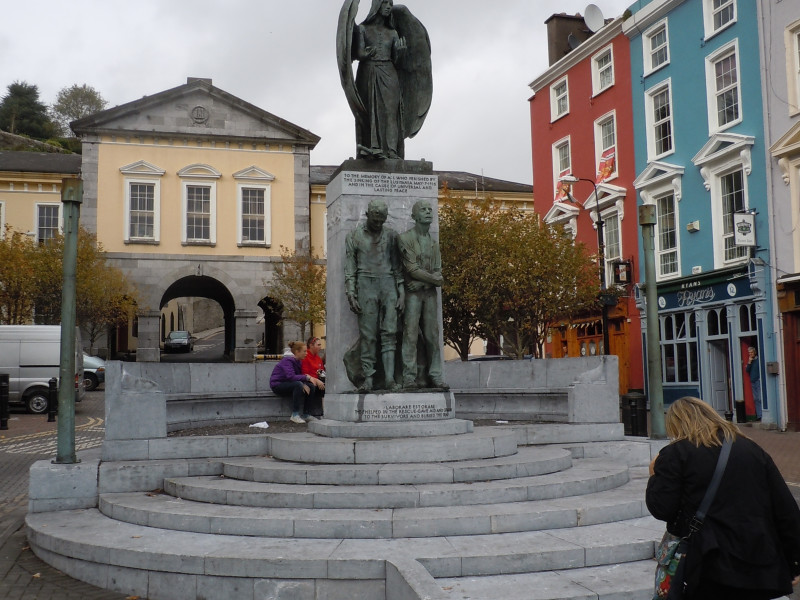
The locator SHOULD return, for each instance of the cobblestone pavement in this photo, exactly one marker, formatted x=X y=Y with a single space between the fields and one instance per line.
x=30 y=438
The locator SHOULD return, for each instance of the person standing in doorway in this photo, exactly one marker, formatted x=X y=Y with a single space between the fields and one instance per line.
x=754 y=371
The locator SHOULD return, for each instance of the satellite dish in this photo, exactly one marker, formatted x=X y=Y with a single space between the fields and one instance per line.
x=593 y=17
x=573 y=41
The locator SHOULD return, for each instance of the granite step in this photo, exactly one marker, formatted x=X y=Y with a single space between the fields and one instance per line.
x=88 y=536
x=167 y=512
x=626 y=581
x=487 y=442
x=584 y=477
x=527 y=462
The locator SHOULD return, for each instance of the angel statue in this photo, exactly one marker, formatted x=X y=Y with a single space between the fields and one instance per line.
x=391 y=93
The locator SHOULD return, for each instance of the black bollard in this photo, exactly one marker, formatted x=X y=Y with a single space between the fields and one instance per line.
x=4 y=401
x=52 y=400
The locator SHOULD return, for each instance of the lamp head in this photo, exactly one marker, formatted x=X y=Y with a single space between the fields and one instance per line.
x=569 y=179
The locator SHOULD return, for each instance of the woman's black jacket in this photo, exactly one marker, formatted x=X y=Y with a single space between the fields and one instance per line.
x=751 y=535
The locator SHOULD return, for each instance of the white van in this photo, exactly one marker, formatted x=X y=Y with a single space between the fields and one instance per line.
x=31 y=355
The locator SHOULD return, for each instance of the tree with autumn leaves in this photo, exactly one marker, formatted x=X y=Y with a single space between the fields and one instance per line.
x=508 y=274
x=298 y=283
x=31 y=278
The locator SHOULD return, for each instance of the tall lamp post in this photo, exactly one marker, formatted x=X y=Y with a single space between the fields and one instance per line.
x=601 y=259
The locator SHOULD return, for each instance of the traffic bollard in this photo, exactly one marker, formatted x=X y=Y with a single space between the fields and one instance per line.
x=4 y=402
x=52 y=400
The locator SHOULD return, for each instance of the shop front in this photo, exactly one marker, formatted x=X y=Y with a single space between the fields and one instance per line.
x=707 y=326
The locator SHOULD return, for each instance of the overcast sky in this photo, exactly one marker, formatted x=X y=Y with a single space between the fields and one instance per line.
x=280 y=55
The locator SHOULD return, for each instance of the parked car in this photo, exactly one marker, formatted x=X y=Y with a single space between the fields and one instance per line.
x=94 y=372
x=179 y=341
x=31 y=355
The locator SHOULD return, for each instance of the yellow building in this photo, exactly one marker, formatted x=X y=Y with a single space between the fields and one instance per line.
x=192 y=192
x=30 y=191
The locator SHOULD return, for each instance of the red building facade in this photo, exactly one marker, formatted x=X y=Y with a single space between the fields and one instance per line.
x=581 y=125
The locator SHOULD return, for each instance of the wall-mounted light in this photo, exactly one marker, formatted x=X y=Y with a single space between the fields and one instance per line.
x=693 y=226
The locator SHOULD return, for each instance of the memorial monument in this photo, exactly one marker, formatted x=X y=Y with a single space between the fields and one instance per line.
x=384 y=334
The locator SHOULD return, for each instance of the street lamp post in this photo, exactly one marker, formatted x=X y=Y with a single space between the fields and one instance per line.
x=601 y=258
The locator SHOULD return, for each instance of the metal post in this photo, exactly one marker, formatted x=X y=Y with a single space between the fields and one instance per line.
x=52 y=399
x=601 y=258
x=647 y=221
x=4 y=401
x=71 y=197
x=601 y=251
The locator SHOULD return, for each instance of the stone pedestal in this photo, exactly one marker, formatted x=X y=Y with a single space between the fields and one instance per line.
x=357 y=182
x=390 y=406
x=148 y=348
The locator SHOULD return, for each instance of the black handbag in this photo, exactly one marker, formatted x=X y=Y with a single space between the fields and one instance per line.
x=670 y=582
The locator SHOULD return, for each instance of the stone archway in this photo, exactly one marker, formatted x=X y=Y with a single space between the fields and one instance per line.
x=203 y=286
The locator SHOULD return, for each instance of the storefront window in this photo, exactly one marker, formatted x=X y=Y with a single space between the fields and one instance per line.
x=679 y=348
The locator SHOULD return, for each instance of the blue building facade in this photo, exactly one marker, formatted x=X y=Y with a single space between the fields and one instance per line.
x=700 y=159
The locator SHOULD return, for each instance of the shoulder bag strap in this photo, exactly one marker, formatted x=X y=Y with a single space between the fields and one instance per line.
x=722 y=461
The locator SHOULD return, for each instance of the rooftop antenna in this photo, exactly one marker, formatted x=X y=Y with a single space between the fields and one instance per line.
x=593 y=17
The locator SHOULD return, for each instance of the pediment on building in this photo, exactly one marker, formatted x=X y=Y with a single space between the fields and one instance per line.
x=254 y=173
x=789 y=143
x=561 y=212
x=723 y=146
x=195 y=109
x=656 y=173
x=198 y=171
x=787 y=151
x=142 y=167
x=607 y=195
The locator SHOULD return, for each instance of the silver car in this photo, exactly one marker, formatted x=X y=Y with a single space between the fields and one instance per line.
x=179 y=341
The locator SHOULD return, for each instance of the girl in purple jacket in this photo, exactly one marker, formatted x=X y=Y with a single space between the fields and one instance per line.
x=288 y=379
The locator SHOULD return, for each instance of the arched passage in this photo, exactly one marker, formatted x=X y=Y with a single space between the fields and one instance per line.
x=202 y=286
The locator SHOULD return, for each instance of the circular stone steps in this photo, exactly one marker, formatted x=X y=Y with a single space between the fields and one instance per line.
x=587 y=477
x=85 y=542
x=489 y=442
x=529 y=461
x=167 y=512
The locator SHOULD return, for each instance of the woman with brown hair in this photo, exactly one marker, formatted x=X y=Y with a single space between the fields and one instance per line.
x=748 y=547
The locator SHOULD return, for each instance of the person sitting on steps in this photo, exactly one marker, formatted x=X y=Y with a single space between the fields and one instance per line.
x=288 y=379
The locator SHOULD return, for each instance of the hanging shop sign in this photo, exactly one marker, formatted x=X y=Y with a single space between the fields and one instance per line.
x=744 y=229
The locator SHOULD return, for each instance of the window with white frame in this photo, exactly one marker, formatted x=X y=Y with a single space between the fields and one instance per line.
x=47 y=222
x=679 y=358
x=605 y=147
x=559 y=99
x=659 y=121
x=562 y=165
x=732 y=198
x=718 y=15
x=198 y=213
x=792 y=41
x=666 y=236
x=602 y=70
x=254 y=211
x=723 y=87
x=656 y=47
x=142 y=210
x=612 y=242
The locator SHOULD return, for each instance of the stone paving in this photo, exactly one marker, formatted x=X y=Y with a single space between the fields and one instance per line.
x=24 y=577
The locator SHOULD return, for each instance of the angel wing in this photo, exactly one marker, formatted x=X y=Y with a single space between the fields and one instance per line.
x=415 y=71
x=344 y=55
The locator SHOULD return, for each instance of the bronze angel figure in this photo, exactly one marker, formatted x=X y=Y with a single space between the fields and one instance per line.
x=391 y=92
